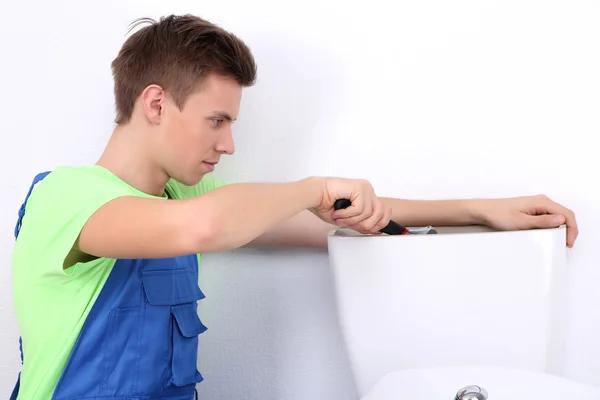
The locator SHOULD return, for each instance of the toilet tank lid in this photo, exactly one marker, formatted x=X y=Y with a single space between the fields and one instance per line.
x=444 y=230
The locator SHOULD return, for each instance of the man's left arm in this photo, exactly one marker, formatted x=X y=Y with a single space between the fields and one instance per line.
x=517 y=213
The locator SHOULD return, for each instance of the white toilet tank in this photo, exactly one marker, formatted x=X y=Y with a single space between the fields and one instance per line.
x=466 y=296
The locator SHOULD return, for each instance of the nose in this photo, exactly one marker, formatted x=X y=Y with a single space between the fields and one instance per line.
x=226 y=144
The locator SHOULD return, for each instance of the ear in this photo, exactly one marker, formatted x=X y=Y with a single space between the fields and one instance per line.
x=153 y=102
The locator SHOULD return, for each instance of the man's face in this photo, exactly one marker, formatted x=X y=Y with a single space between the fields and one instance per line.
x=192 y=140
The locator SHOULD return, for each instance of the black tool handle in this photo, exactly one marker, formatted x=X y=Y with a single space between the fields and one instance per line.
x=393 y=228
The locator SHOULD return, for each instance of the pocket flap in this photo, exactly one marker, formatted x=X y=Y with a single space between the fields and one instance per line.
x=188 y=320
x=171 y=286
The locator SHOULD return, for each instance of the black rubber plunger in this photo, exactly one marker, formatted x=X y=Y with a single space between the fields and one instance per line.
x=392 y=228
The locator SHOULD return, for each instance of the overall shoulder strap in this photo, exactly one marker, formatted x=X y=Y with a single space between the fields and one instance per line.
x=37 y=179
x=21 y=214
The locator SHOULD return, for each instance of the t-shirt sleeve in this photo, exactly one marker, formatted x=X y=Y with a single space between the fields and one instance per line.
x=57 y=210
x=181 y=191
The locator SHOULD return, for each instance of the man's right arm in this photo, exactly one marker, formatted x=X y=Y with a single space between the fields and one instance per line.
x=222 y=219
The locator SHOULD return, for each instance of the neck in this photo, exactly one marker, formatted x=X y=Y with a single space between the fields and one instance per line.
x=128 y=155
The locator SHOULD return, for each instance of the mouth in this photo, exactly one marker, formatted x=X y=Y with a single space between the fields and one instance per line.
x=210 y=164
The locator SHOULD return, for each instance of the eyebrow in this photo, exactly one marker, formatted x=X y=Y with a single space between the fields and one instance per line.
x=224 y=115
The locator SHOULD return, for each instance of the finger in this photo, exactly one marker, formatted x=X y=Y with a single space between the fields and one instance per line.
x=384 y=221
x=543 y=221
x=551 y=221
x=367 y=211
x=356 y=208
x=572 y=230
x=553 y=208
x=570 y=221
x=357 y=220
x=378 y=213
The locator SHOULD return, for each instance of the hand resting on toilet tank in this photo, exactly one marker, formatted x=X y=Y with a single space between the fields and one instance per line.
x=527 y=212
x=517 y=213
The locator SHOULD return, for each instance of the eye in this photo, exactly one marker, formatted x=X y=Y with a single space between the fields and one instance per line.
x=216 y=122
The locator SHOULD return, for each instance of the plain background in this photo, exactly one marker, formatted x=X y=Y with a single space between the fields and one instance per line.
x=427 y=99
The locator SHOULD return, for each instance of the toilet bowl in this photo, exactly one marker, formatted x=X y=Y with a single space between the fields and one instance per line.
x=493 y=383
x=466 y=297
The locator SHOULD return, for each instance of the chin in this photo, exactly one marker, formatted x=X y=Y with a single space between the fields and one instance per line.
x=196 y=181
x=193 y=182
x=189 y=179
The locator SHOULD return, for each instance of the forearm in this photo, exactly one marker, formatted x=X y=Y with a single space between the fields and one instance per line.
x=303 y=230
x=434 y=212
x=306 y=230
x=239 y=213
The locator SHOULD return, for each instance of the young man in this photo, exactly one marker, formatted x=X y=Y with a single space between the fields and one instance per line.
x=105 y=264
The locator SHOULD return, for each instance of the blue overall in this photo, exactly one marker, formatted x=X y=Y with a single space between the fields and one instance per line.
x=140 y=339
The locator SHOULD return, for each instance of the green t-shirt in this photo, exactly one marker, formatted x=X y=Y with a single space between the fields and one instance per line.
x=53 y=303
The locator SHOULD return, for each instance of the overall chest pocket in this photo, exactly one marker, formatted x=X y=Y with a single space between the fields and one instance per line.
x=172 y=295
x=167 y=287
